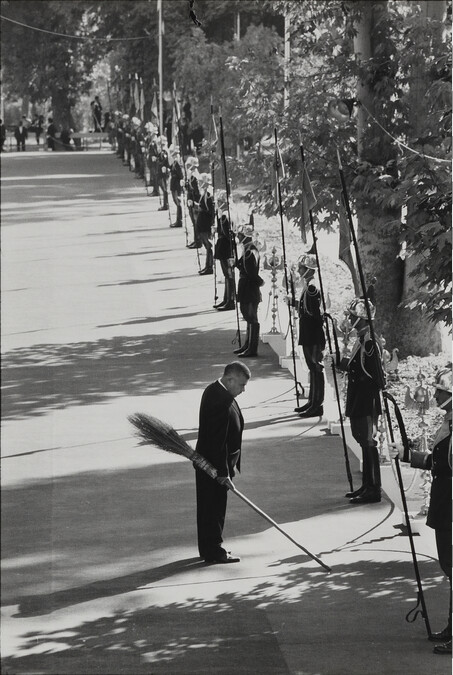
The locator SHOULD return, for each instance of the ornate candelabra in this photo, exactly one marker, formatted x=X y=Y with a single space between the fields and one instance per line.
x=344 y=331
x=420 y=401
x=274 y=263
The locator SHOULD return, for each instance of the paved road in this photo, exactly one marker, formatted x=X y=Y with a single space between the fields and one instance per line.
x=104 y=314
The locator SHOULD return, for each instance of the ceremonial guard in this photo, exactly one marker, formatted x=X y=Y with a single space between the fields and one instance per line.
x=176 y=183
x=163 y=170
x=363 y=406
x=193 y=197
x=127 y=141
x=152 y=155
x=224 y=254
x=205 y=220
x=249 y=294
x=311 y=336
x=439 y=511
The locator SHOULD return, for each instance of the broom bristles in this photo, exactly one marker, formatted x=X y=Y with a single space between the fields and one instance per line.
x=153 y=431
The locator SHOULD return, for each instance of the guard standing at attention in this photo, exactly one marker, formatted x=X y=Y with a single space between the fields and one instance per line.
x=363 y=406
x=311 y=336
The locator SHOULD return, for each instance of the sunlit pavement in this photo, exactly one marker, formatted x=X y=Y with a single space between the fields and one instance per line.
x=104 y=314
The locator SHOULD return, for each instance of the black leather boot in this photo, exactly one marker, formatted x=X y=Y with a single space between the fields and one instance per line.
x=252 y=349
x=245 y=346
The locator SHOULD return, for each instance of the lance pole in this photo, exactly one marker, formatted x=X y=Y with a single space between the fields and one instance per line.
x=329 y=341
x=386 y=397
x=212 y=160
x=233 y=250
x=183 y=158
x=285 y=268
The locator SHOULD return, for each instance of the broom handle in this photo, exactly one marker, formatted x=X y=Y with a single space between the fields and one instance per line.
x=280 y=529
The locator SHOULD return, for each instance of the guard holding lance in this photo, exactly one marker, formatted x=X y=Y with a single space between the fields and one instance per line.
x=311 y=336
x=363 y=403
x=249 y=294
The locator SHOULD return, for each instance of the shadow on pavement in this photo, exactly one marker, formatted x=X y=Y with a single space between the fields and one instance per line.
x=240 y=632
x=48 y=376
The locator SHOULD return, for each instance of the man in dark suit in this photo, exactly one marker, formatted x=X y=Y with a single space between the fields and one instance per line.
x=219 y=441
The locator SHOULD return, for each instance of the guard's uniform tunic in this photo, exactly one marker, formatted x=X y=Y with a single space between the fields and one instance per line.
x=313 y=342
x=363 y=405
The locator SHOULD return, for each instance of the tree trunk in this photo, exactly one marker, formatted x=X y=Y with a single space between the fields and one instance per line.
x=379 y=229
x=61 y=109
x=428 y=336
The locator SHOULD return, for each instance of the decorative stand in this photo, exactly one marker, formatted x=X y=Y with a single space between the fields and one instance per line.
x=274 y=336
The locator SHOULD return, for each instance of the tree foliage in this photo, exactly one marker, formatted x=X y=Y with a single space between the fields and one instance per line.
x=43 y=66
x=409 y=77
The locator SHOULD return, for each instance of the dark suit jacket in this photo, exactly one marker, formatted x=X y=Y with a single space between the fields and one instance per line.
x=220 y=430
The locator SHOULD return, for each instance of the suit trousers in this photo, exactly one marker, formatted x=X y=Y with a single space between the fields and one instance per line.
x=211 y=509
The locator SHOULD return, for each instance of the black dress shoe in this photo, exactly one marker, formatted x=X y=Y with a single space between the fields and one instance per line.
x=355 y=493
x=194 y=245
x=223 y=559
x=368 y=496
x=207 y=270
x=163 y=208
x=175 y=224
x=443 y=636
x=444 y=648
x=227 y=307
x=310 y=412
x=302 y=408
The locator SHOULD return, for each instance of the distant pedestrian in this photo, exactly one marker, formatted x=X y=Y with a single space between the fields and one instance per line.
x=2 y=136
x=21 y=135
x=38 y=127
x=96 y=111
x=50 y=134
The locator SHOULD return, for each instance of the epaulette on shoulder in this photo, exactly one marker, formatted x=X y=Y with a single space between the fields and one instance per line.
x=368 y=347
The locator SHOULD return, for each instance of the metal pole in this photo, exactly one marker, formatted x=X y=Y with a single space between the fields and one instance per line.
x=160 y=67
x=285 y=268
x=324 y=306
x=386 y=396
x=232 y=240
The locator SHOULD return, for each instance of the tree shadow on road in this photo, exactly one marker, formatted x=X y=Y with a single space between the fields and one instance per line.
x=50 y=376
x=300 y=620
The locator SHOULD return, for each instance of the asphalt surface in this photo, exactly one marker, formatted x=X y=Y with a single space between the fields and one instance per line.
x=103 y=315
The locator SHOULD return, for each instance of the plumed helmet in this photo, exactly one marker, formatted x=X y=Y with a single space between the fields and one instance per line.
x=192 y=161
x=125 y=116
x=358 y=308
x=308 y=260
x=137 y=121
x=443 y=379
x=245 y=231
x=204 y=178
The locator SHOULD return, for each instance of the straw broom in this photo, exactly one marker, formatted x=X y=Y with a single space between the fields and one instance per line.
x=153 y=431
